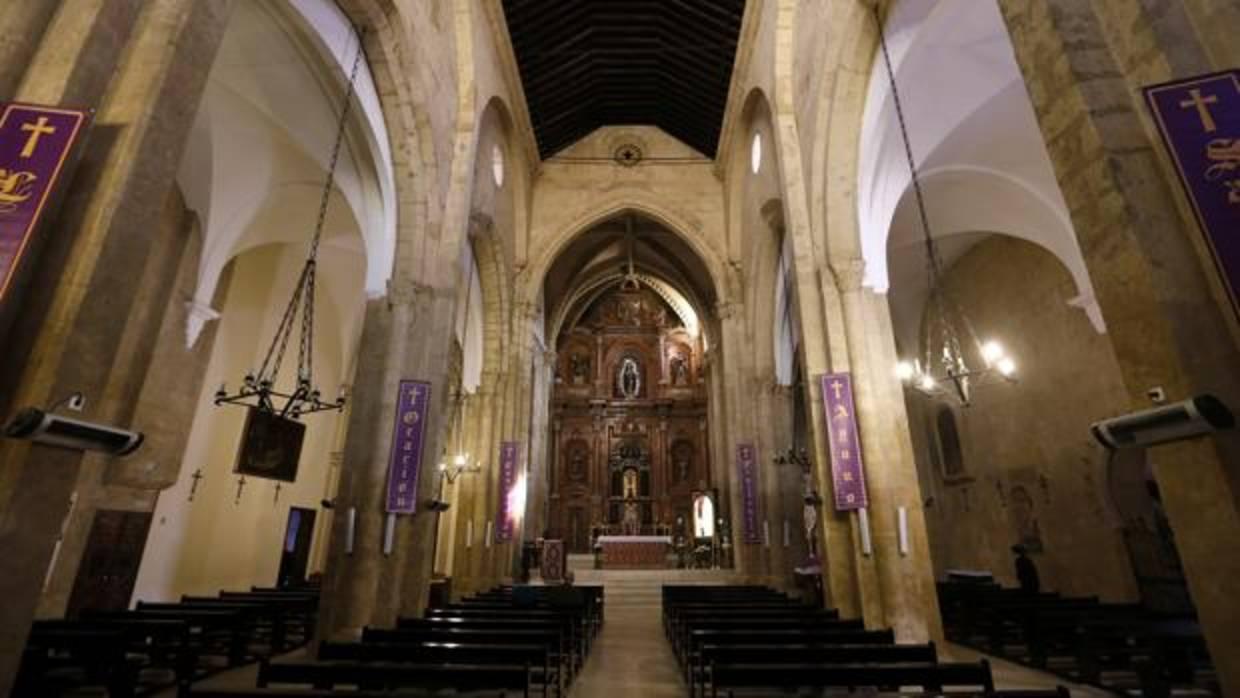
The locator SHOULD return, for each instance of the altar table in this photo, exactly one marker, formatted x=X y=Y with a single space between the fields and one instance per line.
x=635 y=551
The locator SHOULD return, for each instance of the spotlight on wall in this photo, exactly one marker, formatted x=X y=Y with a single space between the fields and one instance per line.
x=437 y=506
x=49 y=429
x=1197 y=416
x=328 y=503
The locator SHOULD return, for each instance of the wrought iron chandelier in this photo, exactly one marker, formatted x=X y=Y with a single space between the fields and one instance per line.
x=945 y=367
x=258 y=388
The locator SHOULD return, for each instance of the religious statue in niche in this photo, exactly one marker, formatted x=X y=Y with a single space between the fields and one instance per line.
x=682 y=457
x=630 y=483
x=629 y=378
x=1028 y=532
x=679 y=368
x=631 y=524
x=577 y=469
x=579 y=368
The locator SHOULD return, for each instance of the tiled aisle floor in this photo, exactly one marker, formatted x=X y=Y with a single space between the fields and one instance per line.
x=631 y=657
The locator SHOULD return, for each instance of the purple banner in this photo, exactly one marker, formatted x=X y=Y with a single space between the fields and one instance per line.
x=35 y=142
x=745 y=463
x=508 y=454
x=847 y=471
x=412 y=404
x=1199 y=119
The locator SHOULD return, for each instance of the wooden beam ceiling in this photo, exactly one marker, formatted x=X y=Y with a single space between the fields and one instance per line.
x=591 y=63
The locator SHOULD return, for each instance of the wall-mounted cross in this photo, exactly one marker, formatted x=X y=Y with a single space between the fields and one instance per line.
x=240 y=486
x=276 y=500
x=193 y=488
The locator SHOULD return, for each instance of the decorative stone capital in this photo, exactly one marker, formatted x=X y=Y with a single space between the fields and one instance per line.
x=848 y=273
x=726 y=309
x=406 y=291
x=198 y=314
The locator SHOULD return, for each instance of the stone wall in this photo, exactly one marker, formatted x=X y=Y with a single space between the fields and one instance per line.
x=1030 y=471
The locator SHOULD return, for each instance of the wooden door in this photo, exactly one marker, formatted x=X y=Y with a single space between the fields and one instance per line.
x=295 y=553
x=110 y=562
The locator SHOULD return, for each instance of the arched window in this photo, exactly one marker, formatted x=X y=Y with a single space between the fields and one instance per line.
x=755 y=152
x=497 y=164
x=949 y=443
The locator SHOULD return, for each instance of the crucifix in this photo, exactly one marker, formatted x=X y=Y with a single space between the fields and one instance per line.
x=276 y=499
x=194 y=487
x=240 y=486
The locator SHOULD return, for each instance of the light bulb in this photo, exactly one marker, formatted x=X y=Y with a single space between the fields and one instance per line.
x=992 y=351
x=460 y=460
x=927 y=383
x=1007 y=367
x=905 y=371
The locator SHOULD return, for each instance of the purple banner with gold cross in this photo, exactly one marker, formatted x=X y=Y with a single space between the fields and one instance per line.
x=746 y=464
x=509 y=453
x=35 y=143
x=847 y=471
x=1199 y=119
x=412 y=404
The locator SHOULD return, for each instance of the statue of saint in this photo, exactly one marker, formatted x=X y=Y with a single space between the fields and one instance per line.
x=629 y=378
x=577 y=466
x=632 y=522
x=579 y=365
x=630 y=484
x=680 y=369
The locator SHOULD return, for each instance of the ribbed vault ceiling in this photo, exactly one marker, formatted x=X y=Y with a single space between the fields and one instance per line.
x=591 y=63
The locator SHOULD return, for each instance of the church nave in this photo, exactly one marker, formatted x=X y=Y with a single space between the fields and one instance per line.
x=433 y=346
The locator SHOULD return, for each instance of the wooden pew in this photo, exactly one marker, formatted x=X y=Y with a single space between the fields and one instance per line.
x=845 y=636
x=803 y=653
x=161 y=651
x=931 y=676
x=680 y=643
x=505 y=679
x=564 y=641
x=60 y=659
x=547 y=638
x=220 y=633
x=537 y=656
x=573 y=625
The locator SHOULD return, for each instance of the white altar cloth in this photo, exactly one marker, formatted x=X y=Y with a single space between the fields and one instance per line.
x=635 y=539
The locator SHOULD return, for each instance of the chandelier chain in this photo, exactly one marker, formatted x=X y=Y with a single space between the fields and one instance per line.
x=932 y=254
x=305 y=358
x=305 y=289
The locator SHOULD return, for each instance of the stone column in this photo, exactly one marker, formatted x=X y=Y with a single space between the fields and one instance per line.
x=368 y=587
x=21 y=28
x=902 y=583
x=71 y=329
x=1084 y=65
x=738 y=426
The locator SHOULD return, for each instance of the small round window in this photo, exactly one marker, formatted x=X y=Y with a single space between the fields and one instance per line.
x=755 y=153
x=497 y=164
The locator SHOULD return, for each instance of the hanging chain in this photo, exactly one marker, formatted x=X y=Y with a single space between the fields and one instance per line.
x=932 y=253
x=938 y=301
x=305 y=290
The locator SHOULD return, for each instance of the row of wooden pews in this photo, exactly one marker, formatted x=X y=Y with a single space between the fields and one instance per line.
x=508 y=641
x=158 y=645
x=755 y=641
x=1119 y=647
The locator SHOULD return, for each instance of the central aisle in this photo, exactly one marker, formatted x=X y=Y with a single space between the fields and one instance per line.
x=631 y=657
